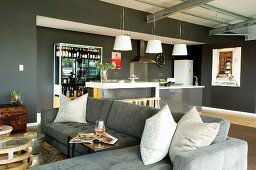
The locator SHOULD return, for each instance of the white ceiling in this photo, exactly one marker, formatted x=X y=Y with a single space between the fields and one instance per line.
x=206 y=17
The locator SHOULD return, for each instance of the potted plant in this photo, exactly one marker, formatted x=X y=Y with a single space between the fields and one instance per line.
x=15 y=97
x=104 y=69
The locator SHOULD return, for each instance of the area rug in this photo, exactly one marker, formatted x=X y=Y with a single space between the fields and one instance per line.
x=48 y=155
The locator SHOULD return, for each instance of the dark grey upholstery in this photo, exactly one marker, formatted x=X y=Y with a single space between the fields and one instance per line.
x=126 y=122
x=121 y=159
x=97 y=109
x=60 y=131
x=129 y=118
x=48 y=116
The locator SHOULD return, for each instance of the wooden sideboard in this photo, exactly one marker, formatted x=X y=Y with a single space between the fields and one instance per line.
x=15 y=116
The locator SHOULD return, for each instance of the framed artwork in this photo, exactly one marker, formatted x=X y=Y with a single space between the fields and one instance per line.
x=226 y=67
x=116 y=58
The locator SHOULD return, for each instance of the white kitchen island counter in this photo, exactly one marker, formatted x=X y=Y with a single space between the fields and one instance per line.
x=123 y=89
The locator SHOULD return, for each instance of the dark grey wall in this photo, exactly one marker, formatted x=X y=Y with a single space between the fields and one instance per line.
x=18 y=46
x=241 y=98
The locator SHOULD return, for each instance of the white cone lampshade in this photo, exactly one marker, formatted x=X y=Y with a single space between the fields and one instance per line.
x=123 y=43
x=154 y=46
x=180 y=49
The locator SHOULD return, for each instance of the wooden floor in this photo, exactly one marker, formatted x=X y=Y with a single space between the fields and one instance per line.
x=243 y=126
x=235 y=117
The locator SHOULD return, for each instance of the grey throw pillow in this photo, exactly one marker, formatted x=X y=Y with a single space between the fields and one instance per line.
x=192 y=133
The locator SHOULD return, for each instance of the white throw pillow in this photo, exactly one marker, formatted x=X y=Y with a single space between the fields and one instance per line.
x=72 y=110
x=157 y=136
x=192 y=133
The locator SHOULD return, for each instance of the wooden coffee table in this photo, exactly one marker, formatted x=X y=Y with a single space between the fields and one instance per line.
x=15 y=153
x=92 y=146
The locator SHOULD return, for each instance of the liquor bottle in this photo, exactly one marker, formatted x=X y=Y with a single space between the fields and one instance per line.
x=67 y=92
x=69 y=52
x=75 y=93
x=58 y=51
x=74 y=52
x=62 y=51
x=78 y=92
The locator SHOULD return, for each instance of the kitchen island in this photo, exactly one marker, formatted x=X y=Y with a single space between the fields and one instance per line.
x=181 y=98
x=122 y=90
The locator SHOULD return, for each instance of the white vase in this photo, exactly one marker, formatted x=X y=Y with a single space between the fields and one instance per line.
x=104 y=76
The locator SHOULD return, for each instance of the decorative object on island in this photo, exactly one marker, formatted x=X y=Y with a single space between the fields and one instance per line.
x=16 y=97
x=104 y=69
x=15 y=116
x=154 y=46
x=180 y=49
x=160 y=60
x=123 y=42
x=133 y=78
x=226 y=67
x=116 y=59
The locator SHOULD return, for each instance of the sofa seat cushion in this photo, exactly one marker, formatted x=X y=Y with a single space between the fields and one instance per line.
x=123 y=139
x=126 y=158
x=60 y=132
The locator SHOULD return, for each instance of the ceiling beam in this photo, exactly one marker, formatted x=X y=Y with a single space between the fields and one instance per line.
x=175 y=9
x=232 y=27
x=186 y=13
x=225 y=12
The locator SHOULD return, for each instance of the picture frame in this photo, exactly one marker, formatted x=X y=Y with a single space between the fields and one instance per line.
x=226 y=67
x=117 y=60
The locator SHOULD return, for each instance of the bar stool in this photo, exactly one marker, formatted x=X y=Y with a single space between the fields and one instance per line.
x=141 y=101
x=154 y=102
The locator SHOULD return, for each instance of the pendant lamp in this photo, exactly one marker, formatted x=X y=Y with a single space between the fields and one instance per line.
x=154 y=46
x=123 y=42
x=180 y=49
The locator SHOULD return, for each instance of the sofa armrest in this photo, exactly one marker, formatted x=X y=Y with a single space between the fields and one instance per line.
x=47 y=117
x=229 y=155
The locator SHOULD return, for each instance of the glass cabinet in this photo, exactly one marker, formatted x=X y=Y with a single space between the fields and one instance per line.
x=74 y=65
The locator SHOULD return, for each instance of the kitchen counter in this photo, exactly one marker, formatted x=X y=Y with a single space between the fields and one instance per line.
x=181 y=87
x=118 y=85
x=181 y=98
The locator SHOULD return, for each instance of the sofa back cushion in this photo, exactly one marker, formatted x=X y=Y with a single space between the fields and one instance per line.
x=97 y=109
x=129 y=118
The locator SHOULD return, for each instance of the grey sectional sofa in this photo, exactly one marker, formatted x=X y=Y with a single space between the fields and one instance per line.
x=126 y=122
